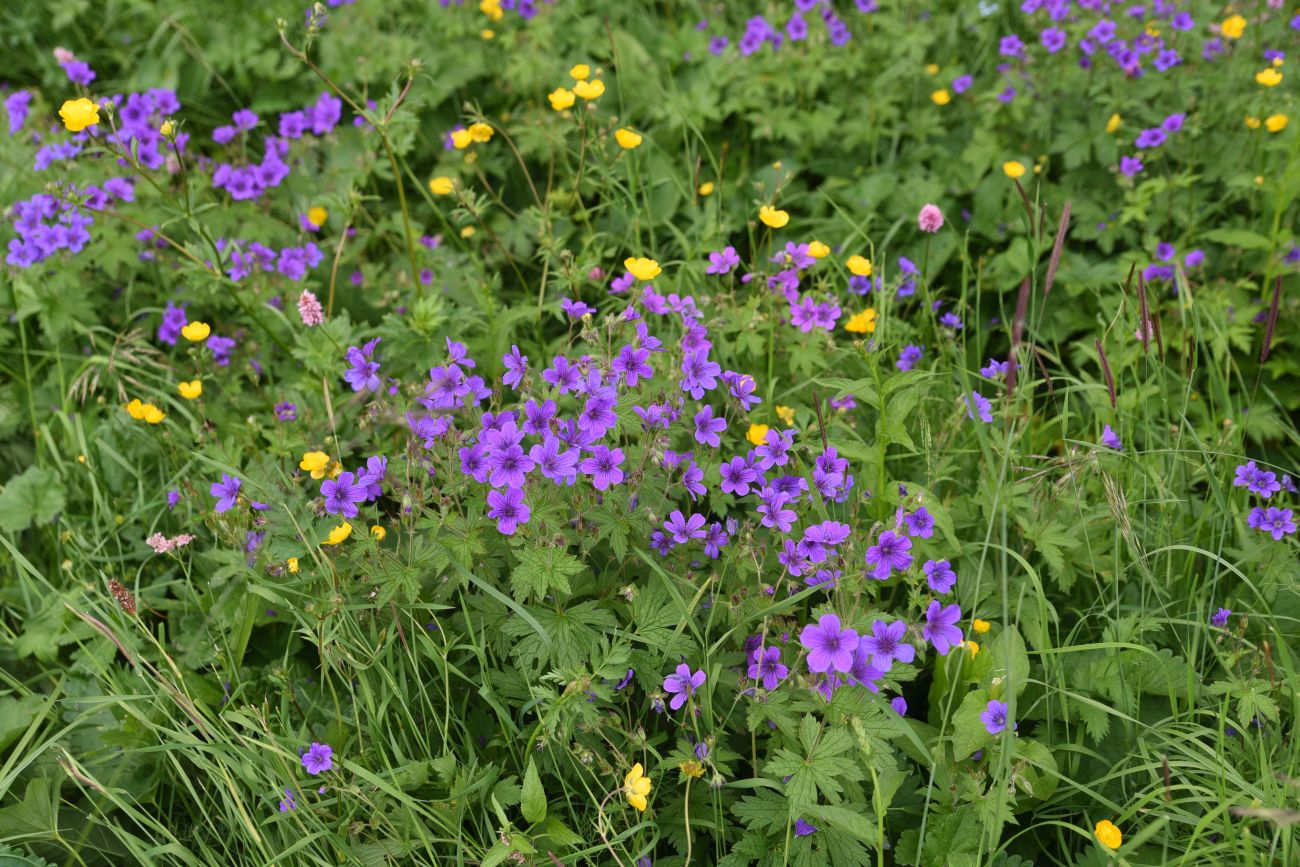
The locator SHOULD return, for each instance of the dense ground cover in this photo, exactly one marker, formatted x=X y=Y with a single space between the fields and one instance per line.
x=572 y=433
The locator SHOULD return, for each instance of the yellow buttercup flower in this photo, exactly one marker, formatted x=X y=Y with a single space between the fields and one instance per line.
x=378 y=532
x=581 y=72
x=1252 y=122
x=196 y=332
x=292 y=563
x=1107 y=832
x=167 y=129
x=627 y=139
x=773 y=217
x=980 y=626
x=706 y=188
x=461 y=139
x=492 y=9
x=862 y=323
x=859 y=266
x=1269 y=77
x=338 y=534
x=468 y=232
x=757 y=434
x=589 y=90
x=317 y=216
x=818 y=250
x=336 y=469
x=941 y=97
x=441 y=185
x=135 y=409
x=692 y=769
x=1275 y=122
x=487 y=33
x=481 y=132
x=642 y=268
x=1114 y=122
x=191 y=390
x=79 y=113
x=786 y=414
x=636 y=786
x=314 y=463
x=561 y=98
x=973 y=648
x=153 y=414
x=932 y=69
x=1013 y=169
x=1232 y=27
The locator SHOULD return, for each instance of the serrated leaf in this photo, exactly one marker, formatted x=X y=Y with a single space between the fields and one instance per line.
x=969 y=733
x=541 y=571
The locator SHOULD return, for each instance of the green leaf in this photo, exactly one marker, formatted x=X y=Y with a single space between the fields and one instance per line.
x=533 y=800
x=541 y=571
x=34 y=497
x=969 y=733
x=1004 y=658
x=1243 y=238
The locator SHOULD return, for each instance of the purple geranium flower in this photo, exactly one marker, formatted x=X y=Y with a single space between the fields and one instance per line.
x=885 y=644
x=342 y=495
x=890 y=552
x=604 y=467
x=509 y=509
x=995 y=717
x=766 y=667
x=226 y=491
x=682 y=685
x=318 y=758
x=1110 y=439
x=830 y=647
x=707 y=427
x=940 y=626
x=723 y=261
x=939 y=575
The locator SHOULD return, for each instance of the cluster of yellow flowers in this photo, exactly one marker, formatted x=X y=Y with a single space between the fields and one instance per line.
x=479 y=133
x=584 y=86
x=1272 y=123
x=145 y=412
x=862 y=323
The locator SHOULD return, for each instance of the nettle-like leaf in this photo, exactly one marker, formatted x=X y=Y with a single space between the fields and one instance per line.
x=969 y=733
x=543 y=570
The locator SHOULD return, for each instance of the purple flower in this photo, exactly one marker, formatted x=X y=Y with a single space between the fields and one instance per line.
x=1130 y=166
x=556 y=463
x=766 y=667
x=342 y=495
x=226 y=491
x=509 y=509
x=631 y=365
x=830 y=647
x=1256 y=480
x=1277 y=522
x=1220 y=617
x=318 y=758
x=564 y=376
x=940 y=626
x=707 y=427
x=508 y=465
x=715 y=539
x=1152 y=137
x=962 y=83
x=1011 y=46
x=723 y=261
x=516 y=367
x=994 y=717
x=576 y=309
x=908 y=358
x=1194 y=259
x=682 y=685
x=683 y=529
x=737 y=475
x=919 y=523
x=604 y=467
x=981 y=405
x=537 y=417
x=890 y=552
x=803 y=829
x=885 y=644
x=1053 y=39
x=1111 y=440
x=939 y=575
x=774 y=512
x=173 y=497
x=699 y=375
x=364 y=373
x=899 y=704
x=287 y=803
x=1173 y=123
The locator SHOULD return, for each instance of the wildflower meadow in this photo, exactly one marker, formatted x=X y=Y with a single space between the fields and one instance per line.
x=549 y=432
